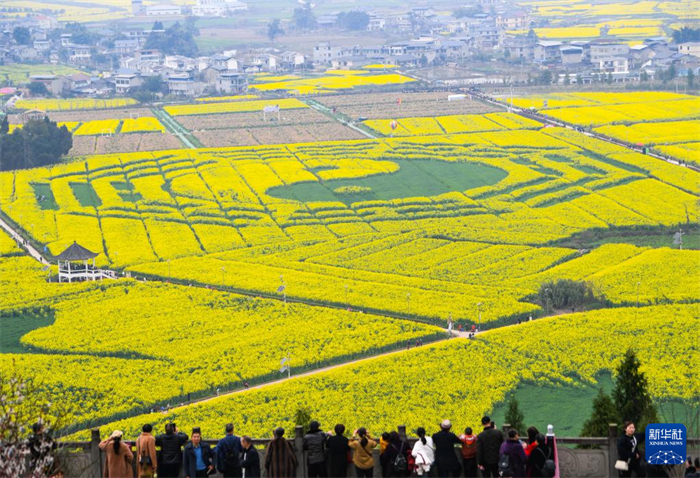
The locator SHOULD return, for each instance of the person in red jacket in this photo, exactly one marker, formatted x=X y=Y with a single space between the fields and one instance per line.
x=469 y=453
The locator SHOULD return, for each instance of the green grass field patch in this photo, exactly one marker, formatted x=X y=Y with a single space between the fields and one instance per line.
x=44 y=196
x=14 y=327
x=415 y=178
x=85 y=194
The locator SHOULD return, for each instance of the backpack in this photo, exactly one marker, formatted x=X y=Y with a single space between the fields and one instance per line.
x=504 y=465
x=549 y=468
x=400 y=462
x=231 y=458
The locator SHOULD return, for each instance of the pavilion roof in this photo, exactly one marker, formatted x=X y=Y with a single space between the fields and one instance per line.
x=76 y=252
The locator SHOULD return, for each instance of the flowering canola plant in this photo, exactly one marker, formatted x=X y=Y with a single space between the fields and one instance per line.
x=423 y=386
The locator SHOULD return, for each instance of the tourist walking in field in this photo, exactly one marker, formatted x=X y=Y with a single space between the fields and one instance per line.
x=445 y=457
x=363 y=445
x=515 y=453
x=197 y=457
x=118 y=457
x=146 y=461
x=228 y=453
x=488 y=446
x=338 y=452
x=537 y=459
x=250 y=462
x=395 y=457
x=423 y=453
x=469 y=453
x=280 y=459
x=170 y=444
x=628 y=451
x=314 y=445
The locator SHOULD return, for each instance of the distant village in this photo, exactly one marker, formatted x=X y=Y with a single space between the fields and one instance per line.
x=118 y=63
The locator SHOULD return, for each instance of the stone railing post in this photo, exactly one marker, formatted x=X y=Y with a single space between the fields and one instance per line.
x=504 y=429
x=95 y=456
x=402 y=432
x=612 y=449
x=299 y=449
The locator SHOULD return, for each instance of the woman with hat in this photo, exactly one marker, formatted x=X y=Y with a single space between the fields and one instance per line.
x=119 y=457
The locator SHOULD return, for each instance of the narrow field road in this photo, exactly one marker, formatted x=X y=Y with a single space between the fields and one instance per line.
x=328 y=112
x=173 y=127
x=26 y=245
x=284 y=377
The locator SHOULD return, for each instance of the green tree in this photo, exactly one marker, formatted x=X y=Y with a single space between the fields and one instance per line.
x=631 y=393
x=304 y=18
x=568 y=294
x=462 y=12
x=38 y=89
x=79 y=34
x=274 y=29
x=603 y=414
x=545 y=78
x=670 y=74
x=353 y=20
x=147 y=90
x=514 y=417
x=686 y=34
x=22 y=35
x=157 y=25
x=567 y=79
x=302 y=417
x=4 y=125
x=691 y=79
x=191 y=26
x=176 y=40
x=37 y=143
x=644 y=76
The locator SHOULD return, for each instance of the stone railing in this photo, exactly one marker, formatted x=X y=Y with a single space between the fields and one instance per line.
x=86 y=460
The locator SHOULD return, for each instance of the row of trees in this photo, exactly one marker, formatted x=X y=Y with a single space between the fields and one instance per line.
x=37 y=143
x=177 y=39
x=305 y=19
x=629 y=401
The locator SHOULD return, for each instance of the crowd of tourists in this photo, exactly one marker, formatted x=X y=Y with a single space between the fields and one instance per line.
x=490 y=453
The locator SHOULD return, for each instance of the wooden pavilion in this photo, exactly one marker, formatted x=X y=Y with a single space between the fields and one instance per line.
x=74 y=264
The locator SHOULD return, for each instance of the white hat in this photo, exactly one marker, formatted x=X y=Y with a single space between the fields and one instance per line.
x=116 y=434
x=446 y=424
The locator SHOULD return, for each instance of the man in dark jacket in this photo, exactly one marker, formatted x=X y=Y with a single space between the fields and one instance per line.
x=488 y=446
x=228 y=454
x=198 y=456
x=170 y=445
x=515 y=452
x=315 y=448
x=251 y=459
x=338 y=449
x=445 y=457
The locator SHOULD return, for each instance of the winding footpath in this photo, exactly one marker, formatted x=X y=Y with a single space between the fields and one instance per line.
x=285 y=378
x=25 y=244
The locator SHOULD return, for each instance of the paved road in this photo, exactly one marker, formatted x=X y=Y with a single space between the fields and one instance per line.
x=26 y=245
